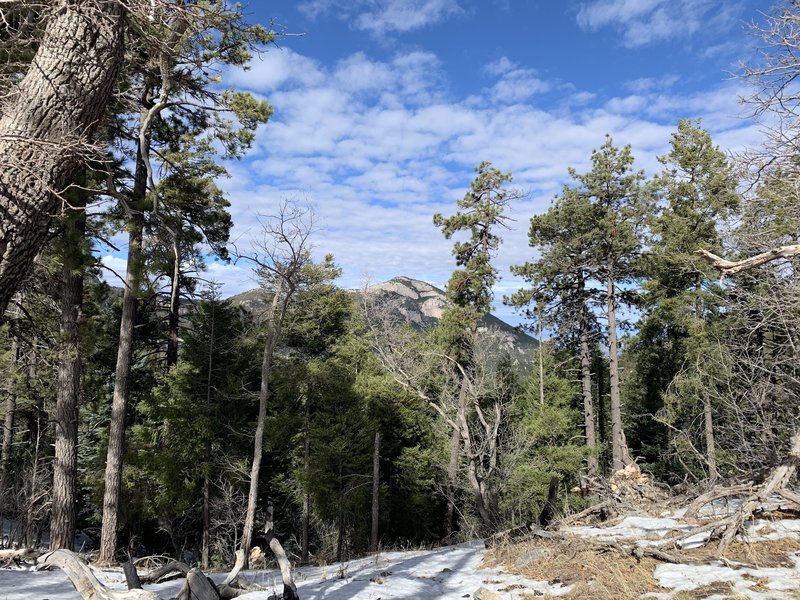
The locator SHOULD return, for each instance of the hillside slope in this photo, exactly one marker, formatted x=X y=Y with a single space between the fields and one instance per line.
x=422 y=305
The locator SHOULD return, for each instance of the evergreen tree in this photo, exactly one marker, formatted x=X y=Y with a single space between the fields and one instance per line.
x=169 y=68
x=620 y=203
x=561 y=290
x=682 y=299
x=470 y=290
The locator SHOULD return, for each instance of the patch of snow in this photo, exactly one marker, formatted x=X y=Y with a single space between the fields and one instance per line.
x=452 y=572
x=771 y=583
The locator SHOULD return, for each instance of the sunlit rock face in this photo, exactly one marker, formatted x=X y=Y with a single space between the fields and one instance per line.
x=422 y=305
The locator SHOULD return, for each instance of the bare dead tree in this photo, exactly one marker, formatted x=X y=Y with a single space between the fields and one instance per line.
x=470 y=401
x=283 y=263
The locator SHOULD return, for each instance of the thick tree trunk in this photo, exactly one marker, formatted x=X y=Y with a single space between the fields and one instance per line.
x=619 y=446
x=65 y=468
x=119 y=406
x=602 y=430
x=588 y=402
x=277 y=312
x=46 y=122
x=376 y=491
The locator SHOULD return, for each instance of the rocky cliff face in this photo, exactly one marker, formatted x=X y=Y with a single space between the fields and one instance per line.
x=422 y=305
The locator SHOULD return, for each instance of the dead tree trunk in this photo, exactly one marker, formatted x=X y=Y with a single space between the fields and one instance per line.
x=174 y=302
x=376 y=491
x=65 y=467
x=47 y=120
x=274 y=320
x=289 y=587
x=85 y=582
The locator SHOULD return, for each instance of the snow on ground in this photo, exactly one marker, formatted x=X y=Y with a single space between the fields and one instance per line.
x=456 y=572
x=451 y=572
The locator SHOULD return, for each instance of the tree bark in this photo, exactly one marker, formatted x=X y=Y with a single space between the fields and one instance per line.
x=119 y=406
x=8 y=427
x=289 y=587
x=727 y=267
x=452 y=469
x=619 y=446
x=274 y=321
x=376 y=491
x=174 y=306
x=65 y=468
x=46 y=122
x=588 y=401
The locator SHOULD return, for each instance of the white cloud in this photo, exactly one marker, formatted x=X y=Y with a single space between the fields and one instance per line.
x=406 y=15
x=644 y=22
x=501 y=66
x=274 y=69
x=380 y=146
x=389 y=16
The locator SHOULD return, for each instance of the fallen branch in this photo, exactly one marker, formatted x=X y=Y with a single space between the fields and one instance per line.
x=727 y=267
x=85 y=582
x=754 y=501
x=606 y=506
x=164 y=572
x=8 y=557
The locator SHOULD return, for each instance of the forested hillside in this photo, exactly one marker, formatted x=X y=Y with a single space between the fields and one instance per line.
x=150 y=413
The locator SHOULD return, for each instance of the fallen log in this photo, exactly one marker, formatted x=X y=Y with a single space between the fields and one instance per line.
x=163 y=572
x=85 y=582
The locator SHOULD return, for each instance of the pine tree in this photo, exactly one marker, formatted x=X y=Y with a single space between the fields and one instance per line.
x=561 y=294
x=682 y=298
x=169 y=68
x=470 y=290
x=620 y=203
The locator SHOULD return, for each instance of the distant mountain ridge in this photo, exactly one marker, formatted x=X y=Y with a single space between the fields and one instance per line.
x=422 y=305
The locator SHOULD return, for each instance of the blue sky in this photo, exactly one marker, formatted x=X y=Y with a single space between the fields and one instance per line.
x=383 y=108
